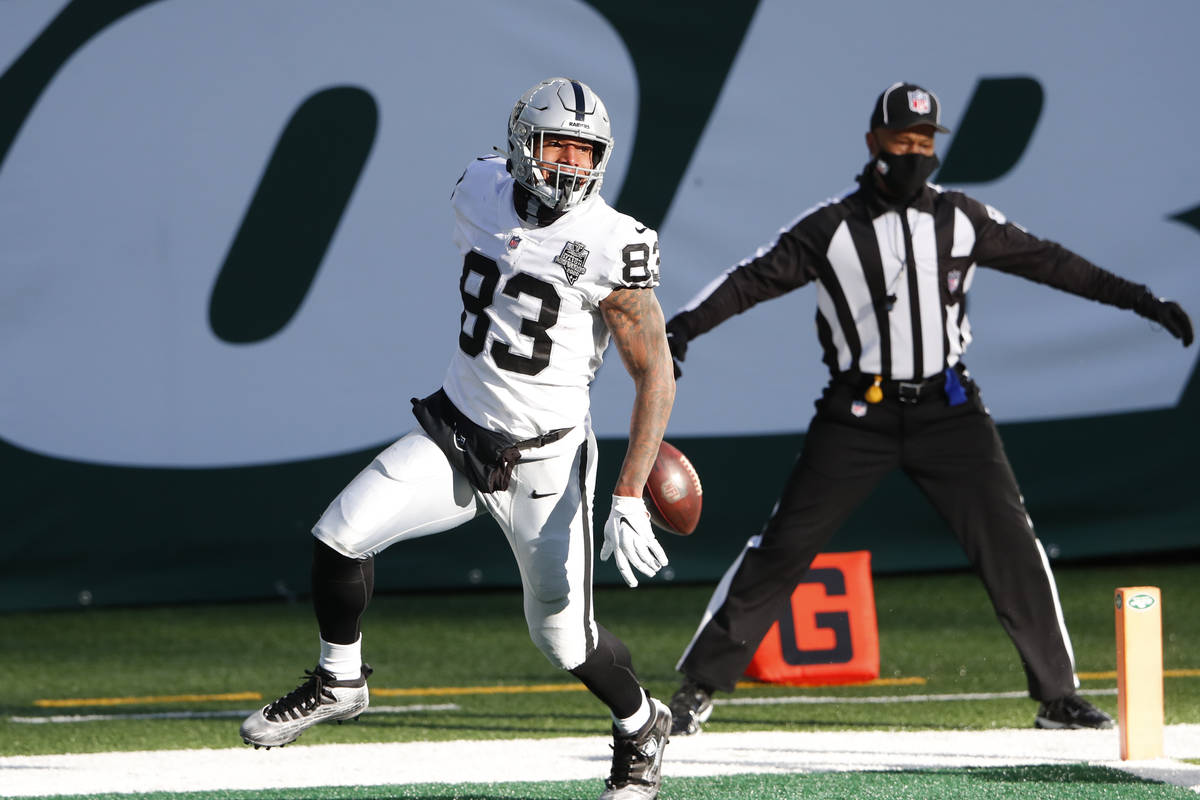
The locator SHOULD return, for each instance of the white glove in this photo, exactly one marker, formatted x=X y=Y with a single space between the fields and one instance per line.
x=627 y=534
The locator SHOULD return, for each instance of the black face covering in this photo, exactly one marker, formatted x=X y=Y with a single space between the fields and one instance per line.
x=531 y=209
x=903 y=175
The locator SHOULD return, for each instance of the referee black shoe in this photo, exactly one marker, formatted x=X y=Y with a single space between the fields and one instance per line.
x=1071 y=712
x=691 y=706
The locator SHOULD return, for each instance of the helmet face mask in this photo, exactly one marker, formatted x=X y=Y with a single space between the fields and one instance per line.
x=558 y=107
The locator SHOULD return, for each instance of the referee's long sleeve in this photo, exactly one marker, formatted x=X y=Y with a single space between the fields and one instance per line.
x=773 y=271
x=1009 y=248
x=892 y=281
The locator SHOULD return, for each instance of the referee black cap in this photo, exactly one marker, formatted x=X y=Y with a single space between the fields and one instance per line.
x=903 y=105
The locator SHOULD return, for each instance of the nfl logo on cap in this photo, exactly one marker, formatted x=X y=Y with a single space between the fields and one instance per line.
x=904 y=105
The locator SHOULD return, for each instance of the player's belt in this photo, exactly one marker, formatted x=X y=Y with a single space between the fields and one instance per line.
x=544 y=439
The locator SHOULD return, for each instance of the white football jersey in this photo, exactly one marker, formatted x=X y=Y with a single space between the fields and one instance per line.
x=532 y=335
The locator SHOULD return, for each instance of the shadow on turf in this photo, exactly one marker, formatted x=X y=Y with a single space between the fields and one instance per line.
x=1027 y=777
x=1037 y=773
x=522 y=724
x=752 y=724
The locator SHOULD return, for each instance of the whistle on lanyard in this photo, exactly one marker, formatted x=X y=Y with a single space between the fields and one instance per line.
x=874 y=392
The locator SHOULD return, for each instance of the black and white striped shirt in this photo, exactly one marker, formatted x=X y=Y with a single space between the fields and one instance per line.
x=892 y=286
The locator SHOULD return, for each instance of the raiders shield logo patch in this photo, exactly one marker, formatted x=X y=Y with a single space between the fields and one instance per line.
x=572 y=258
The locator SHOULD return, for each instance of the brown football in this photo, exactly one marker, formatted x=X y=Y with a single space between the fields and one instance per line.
x=673 y=494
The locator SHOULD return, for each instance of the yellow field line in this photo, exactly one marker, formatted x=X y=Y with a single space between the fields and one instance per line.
x=896 y=682
x=129 y=701
x=424 y=692
x=876 y=682
x=532 y=689
x=1111 y=675
x=543 y=687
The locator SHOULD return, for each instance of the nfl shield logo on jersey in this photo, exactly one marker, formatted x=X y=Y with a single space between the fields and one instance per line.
x=572 y=258
x=918 y=101
x=953 y=279
x=858 y=408
x=513 y=241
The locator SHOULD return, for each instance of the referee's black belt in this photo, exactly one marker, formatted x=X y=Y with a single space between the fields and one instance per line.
x=908 y=392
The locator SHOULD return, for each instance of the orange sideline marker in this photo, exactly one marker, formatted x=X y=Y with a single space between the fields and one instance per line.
x=1139 y=671
x=827 y=635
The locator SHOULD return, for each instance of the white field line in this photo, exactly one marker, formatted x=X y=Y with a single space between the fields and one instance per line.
x=299 y=766
x=898 y=698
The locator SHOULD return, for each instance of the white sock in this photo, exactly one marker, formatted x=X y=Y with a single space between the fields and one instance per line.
x=343 y=661
x=631 y=725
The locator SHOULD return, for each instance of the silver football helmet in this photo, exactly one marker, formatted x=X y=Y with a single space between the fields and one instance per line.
x=558 y=107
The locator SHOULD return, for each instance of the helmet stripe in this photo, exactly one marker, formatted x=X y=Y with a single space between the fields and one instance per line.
x=579 y=102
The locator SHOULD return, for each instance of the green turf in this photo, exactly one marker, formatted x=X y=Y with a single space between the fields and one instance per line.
x=938 y=627
x=1058 y=782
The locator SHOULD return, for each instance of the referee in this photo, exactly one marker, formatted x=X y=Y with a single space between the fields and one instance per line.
x=893 y=260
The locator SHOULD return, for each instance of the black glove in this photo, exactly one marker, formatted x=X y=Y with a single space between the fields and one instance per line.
x=1167 y=313
x=677 y=341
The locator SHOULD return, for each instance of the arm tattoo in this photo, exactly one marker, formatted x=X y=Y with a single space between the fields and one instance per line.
x=636 y=323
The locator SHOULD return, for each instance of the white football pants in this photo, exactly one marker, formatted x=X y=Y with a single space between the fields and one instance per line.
x=410 y=490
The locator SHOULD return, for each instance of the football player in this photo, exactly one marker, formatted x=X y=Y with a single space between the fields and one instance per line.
x=550 y=272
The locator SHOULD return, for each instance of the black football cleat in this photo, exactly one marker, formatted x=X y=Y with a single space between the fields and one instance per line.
x=1071 y=712
x=691 y=706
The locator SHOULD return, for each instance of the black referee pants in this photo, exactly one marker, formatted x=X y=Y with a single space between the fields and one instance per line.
x=954 y=454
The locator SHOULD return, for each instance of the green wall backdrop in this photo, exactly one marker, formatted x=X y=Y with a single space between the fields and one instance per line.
x=225 y=264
